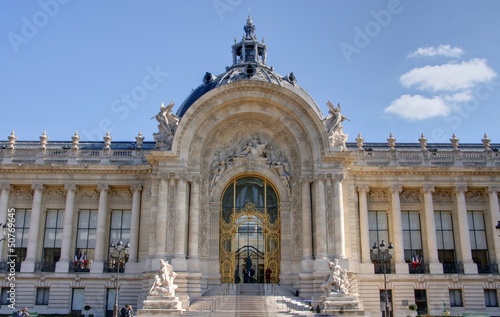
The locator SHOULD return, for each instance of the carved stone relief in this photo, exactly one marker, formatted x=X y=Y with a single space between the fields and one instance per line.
x=474 y=196
x=442 y=196
x=23 y=193
x=88 y=195
x=410 y=196
x=55 y=194
x=120 y=194
x=376 y=195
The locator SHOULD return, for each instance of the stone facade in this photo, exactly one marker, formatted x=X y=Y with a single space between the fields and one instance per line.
x=336 y=199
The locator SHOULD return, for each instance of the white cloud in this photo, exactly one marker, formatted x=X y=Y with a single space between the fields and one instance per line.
x=418 y=107
x=449 y=77
x=441 y=50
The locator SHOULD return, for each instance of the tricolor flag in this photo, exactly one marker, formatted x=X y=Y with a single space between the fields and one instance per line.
x=82 y=259
x=75 y=260
x=85 y=259
x=415 y=261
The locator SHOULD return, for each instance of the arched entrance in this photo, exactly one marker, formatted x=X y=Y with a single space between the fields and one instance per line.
x=249 y=231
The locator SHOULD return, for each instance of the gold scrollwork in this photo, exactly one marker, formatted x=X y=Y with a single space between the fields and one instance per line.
x=228 y=231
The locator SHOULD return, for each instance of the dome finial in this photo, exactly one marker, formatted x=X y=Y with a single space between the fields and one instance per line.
x=249 y=28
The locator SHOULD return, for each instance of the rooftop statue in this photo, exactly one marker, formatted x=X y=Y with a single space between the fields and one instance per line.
x=333 y=126
x=168 y=123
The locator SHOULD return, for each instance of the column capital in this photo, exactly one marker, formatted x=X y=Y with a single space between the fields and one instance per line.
x=319 y=177
x=38 y=186
x=194 y=179
x=6 y=186
x=428 y=189
x=306 y=179
x=102 y=187
x=363 y=188
x=493 y=189
x=136 y=187
x=396 y=188
x=70 y=187
x=460 y=189
x=338 y=177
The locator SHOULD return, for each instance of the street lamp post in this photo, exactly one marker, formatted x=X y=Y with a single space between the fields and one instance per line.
x=115 y=252
x=384 y=254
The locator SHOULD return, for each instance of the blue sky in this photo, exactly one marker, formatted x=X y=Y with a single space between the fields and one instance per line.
x=402 y=67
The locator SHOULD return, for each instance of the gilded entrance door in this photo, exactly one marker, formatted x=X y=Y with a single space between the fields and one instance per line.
x=249 y=232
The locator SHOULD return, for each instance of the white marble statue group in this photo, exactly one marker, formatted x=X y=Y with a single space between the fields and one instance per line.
x=333 y=126
x=337 y=280
x=164 y=281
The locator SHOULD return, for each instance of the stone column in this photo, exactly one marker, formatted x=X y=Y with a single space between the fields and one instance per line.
x=161 y=217
x=338 y=213
x=100 y=244
x=4 y=206
x=28 y=265
x=366 y=263
x=494 y=218
x=463 y=231
x=431 y=256
x=194 y=221
x=63 y=265
x=398 y=258
x=180 y=225
x=320 y=219
x=307 y=252
x=135 y=222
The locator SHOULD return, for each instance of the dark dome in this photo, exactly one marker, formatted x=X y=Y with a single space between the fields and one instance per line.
x=249 y=63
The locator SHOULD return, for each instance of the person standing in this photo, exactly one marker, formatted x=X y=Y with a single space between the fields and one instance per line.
x=245 y=275
x=130 y=311
x=268 y=275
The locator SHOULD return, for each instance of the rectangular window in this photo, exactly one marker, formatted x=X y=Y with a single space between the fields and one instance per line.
x=378 y=227
x=85 y=239
x=110 y=300
x=22 y=223
x=77 y=300
x=412 y=240
x=445 y=241
x=119 y=231
x=42 y=296
x=386 y=302
x=52 y=239
x=4 y=297
x=456 y=298
x=421 y=301
x=478 y=243
x=490 y=298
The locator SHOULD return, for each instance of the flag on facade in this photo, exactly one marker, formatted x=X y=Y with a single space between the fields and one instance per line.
x=415 y=261
x=75 y=260
x=85 y=259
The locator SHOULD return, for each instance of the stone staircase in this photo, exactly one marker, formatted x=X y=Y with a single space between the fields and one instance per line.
x=249 y=300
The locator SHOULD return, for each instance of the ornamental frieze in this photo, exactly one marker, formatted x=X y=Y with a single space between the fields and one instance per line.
x=474 y=196
x=378 y=195
x=442 y=196
x=410 y=196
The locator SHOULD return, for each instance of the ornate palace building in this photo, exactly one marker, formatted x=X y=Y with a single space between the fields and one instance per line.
x=248 y=173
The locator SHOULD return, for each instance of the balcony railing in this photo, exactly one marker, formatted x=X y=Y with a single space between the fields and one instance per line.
x=45 y=266
x=453 y=268
x=487 y=268
x=379 y=268
x=417 y=269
